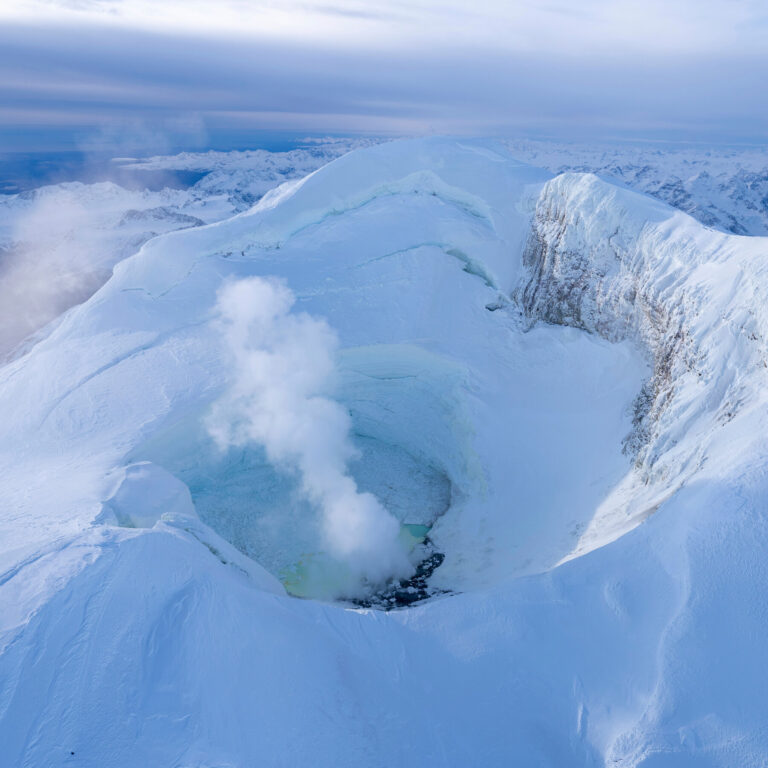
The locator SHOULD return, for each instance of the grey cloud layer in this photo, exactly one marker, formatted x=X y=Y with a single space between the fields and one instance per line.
x=96 y=75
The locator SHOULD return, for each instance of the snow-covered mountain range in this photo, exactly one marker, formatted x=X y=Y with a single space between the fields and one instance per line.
x=722 y=187
x=529 y=408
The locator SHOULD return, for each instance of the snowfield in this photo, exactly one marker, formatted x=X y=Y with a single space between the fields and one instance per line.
x=554 y=385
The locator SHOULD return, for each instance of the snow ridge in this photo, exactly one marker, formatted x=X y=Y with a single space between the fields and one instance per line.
x=616 y=264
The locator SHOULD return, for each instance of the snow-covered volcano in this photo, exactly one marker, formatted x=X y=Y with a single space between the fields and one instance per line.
x=429 y=340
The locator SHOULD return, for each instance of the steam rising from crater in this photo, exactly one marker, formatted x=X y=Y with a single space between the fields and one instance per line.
x=55 y=260
x=283 y=365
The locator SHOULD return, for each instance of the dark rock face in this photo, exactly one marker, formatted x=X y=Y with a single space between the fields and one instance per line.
x=406 y=592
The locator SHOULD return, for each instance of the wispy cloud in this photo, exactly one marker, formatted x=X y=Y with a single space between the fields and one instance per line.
x=619 y=26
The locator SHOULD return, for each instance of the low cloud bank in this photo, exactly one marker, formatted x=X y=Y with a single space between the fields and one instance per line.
x=283 y=366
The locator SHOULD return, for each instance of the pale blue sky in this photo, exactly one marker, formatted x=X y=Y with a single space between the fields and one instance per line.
x=85 y=72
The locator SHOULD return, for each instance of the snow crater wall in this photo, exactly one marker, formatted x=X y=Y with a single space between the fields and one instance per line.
x=622 y=266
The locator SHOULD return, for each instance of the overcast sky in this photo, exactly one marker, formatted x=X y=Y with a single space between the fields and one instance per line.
x=163 y=74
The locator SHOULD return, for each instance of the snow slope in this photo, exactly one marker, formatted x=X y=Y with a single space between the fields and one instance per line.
x=532 y=366
x=58 y=243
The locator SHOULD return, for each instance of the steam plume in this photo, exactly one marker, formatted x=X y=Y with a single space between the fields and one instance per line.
x=283 y=363
x=54 y=261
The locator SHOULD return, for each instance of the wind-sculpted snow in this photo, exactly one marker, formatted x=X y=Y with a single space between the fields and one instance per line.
x=528 y=368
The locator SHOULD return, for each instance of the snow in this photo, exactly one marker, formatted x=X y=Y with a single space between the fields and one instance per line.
x=723 y=187
x=690 y=297
x=604 y=552
x=77 y=232
x=58 y=243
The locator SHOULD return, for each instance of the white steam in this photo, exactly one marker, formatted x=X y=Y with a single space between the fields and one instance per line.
x=54 y=260
x=283 y=364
